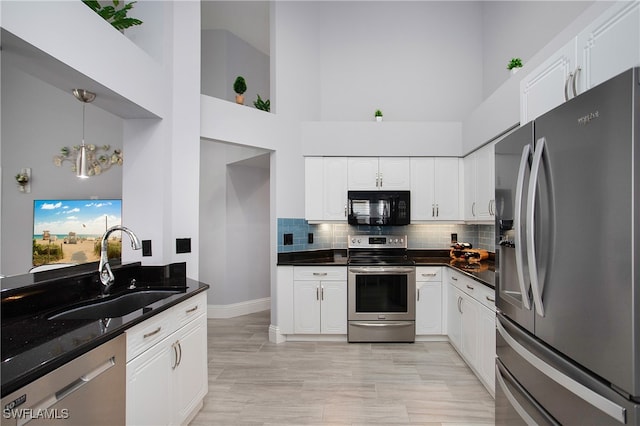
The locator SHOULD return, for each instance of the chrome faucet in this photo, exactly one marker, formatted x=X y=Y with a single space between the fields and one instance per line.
x=106 y=276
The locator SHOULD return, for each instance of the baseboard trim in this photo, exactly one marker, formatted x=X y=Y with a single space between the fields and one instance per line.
x=237 y=309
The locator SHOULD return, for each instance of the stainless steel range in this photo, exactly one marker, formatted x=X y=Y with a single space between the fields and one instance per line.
x=381 y=289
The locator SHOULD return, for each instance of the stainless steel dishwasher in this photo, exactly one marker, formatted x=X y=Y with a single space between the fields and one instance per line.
x=90 y=390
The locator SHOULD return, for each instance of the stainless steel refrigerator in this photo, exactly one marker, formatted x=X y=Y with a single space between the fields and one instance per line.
x=567 y=267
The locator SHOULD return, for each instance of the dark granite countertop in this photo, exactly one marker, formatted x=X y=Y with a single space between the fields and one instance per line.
x=483 y=272
x=32 y=345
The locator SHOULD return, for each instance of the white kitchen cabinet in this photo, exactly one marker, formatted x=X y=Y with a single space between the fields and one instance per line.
x=326 y=189
x=385 y=173
x=435 y=186
x=605 y=48
x=471 y=325
x=479 y=178
x=167 y=365
x=429 y=300
x=319 y=300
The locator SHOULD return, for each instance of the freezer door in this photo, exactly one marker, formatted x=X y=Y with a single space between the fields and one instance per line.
x=582 y=231
x=566 y=393
x=513 y=156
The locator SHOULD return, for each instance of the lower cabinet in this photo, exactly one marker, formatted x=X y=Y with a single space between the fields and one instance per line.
x=429 y=300
x=167 y=365
x=319 y=300
x=471 y=325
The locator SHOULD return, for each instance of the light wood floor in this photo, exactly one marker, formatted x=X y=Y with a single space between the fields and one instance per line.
x=255 y=382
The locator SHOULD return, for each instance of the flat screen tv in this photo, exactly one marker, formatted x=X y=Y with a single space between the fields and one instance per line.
x=69 y=231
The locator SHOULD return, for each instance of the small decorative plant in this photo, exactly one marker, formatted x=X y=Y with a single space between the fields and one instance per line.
x=264 y=105
x=22 y=179
x=117 y=17
x=378 y=115
x=514 y=63
x=240 y=86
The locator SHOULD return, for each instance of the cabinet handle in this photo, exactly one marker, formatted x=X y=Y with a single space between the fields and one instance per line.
x=437 y=210
x=154 y=332
x=470 y=287
x=195 y=308
x=180 y=351
x=418 y=293
x=575 y=81
x=321 y=293
x=566 y=86
x=317 y=293
x=175 y=355
x=345 y=210
x=319 y=274
x=454 y=278
x=473 y=209
x=491 y=299
x=433 y=211
x=432 y=274
x=459 y=304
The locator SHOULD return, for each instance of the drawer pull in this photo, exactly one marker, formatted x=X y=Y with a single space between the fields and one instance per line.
x=470 y=287
x=319 y=274
x=195 y=308
x=454 y=278
x=154 y=332
x=432 y=274
x=491 y=299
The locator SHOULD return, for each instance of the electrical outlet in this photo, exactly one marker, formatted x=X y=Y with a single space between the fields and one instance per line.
x=146 y=247
x=310 y=238
x=454 y=238
x=183 y=245
x=288 y=239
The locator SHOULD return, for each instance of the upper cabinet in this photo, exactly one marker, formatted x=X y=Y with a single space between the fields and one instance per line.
x=479 y=185
x=607 y=47
x=325 y=188
x=435 y=188
x=384 y=173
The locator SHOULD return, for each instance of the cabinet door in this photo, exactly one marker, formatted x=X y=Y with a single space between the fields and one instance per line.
x=362 y=173
x=609 y=45
x=469 y=165
x=149 y=385
x=446 y=186
x=422 y=195
x=306 y=311
x=454 y=316
x=333 y=307
x=469 y=309
x=547 y=86
x=334 y=194
x=487 y=347
x=485 y=183
x=313 y=188
x=428 y=307
x=190 y=372
x=394 y=173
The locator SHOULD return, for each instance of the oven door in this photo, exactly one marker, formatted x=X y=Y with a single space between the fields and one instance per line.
x=382 y=293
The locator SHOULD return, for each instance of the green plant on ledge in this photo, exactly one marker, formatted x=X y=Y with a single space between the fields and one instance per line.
x=262 y=104
x=378 y=113
x=514 y=63
x=117 y=17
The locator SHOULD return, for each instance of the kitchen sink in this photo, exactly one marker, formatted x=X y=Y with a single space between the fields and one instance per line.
x=113 y=306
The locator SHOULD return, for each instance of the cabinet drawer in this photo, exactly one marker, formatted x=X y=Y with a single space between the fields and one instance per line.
x=478 y=291
x=429 y=273
x=150 y=332
x=190 y=309
x=313 y=273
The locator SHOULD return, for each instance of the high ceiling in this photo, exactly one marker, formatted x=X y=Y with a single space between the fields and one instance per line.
x=248 y=20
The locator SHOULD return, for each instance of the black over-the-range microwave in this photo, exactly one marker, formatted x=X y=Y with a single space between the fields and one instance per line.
x=379 y=208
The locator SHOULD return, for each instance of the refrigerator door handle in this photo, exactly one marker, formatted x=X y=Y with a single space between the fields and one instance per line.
x=536 y=286
x=598 y=401
x=524 y=162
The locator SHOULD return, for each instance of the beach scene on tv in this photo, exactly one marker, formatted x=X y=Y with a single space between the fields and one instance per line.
x=69 y=231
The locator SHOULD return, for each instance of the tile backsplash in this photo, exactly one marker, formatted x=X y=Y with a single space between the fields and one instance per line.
x=422 y=236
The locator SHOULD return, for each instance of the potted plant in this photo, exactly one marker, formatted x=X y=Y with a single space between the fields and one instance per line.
x=117 y=17
x=262 y=104
x=514 y=65
x=22 y=179
x=240 y=86
x=378 y=115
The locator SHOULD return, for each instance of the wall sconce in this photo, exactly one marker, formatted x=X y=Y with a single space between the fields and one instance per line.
x=23 y=179
x=88 y=160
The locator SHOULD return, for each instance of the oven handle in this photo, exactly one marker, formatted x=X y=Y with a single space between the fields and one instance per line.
x=380 y=269
x=382 y=324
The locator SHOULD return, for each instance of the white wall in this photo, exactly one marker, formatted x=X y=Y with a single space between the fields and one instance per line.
x=37 y=120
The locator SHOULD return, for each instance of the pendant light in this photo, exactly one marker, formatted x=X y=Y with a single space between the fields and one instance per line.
x=82 y=161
